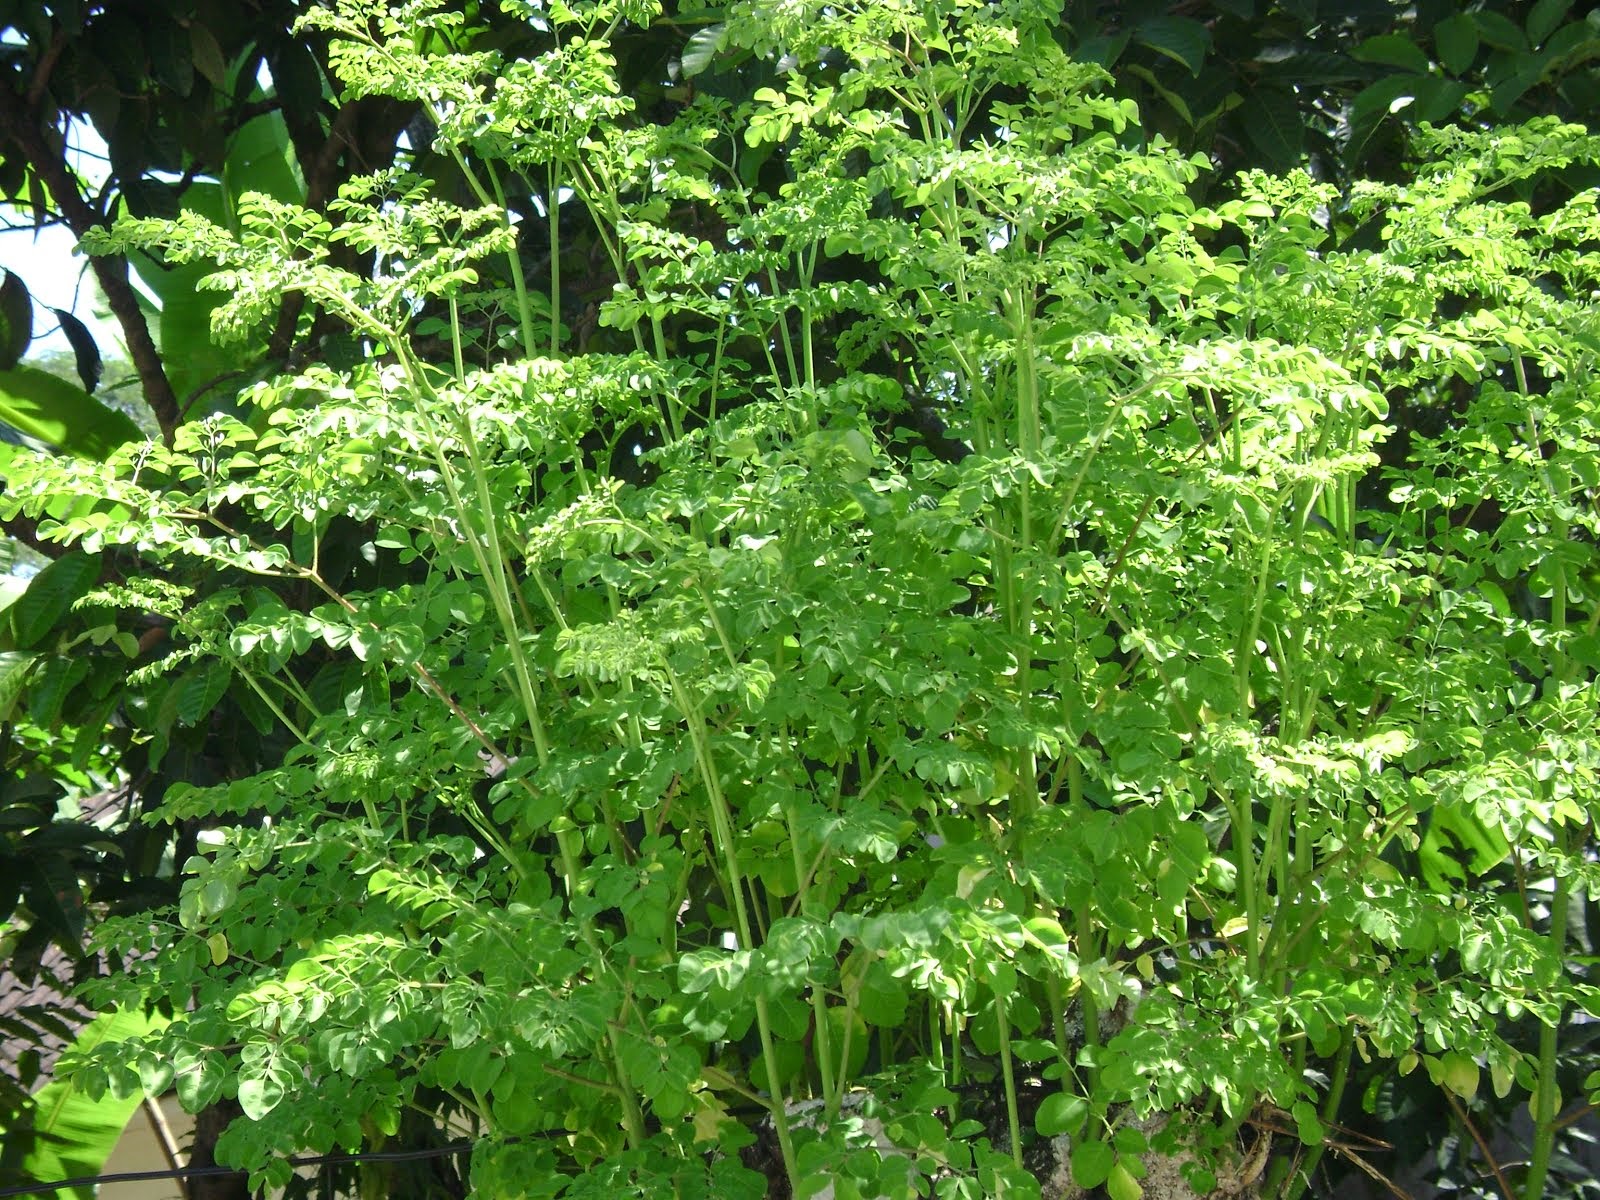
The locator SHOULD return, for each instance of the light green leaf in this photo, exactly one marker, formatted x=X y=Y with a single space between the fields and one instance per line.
x=14 y=668
x=1121 y=1185
x=1092 y=1163
x=1061 y=1113
x=62 y=415
x=75 y=1135
x=259 y=1096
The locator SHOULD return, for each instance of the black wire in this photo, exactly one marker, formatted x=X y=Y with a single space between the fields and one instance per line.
x=310 y=1160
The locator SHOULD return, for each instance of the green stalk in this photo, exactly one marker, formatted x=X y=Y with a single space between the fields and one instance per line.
x=822 y=1033
x=1296 y=1186
x=1544 y=1105
x=1008 y=1070
x=553 y=216
x=723 y=836
x=1544 y=1101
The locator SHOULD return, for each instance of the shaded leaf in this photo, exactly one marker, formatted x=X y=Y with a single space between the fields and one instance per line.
x=1278 y=130
x=1179 y=38
x=1456 y=40
x=50 y=594
x=1543 y=18
x=84 y=350
x=702 y=49
x=1499 y=31
x=1392 y=50
x=207 y=55
x=16 y=316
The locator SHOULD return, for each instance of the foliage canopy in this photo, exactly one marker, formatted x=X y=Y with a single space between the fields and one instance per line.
x=955 y=622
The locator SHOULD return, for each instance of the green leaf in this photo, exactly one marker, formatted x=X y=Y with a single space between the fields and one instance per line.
x=1061 y=1113
x=1121 y=1184
x=199 y=690
x=1456 y=40
x=207 y=55
x=55 y=412
x=1543 y=18
x=1499 y=31
x=1092 y=1163
x=702 y=49
x=16 y=320
x=259 y=1095
x=1278 y=130
x=1181 y=39
x=1308 y=1124
x=50 y=594
x=14 y=668
x=74 y=1135
x=1392 y=50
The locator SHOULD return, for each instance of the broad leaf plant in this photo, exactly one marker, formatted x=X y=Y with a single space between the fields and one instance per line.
x=701 y=752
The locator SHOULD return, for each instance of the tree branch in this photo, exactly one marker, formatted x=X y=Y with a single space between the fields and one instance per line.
x=20 y=127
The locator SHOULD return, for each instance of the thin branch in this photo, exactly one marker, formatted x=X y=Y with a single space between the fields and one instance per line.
x=1483 y=1146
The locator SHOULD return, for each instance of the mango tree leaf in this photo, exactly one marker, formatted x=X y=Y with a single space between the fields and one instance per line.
x=84 y=349
x=72 y=1134
x=16 y=320
x=55 y=412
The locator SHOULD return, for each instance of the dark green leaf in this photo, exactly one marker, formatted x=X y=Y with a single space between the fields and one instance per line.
x=57 y=413
x=1439 y=99
x=1277 y=128
x=1392 y=50
x=207 y=55
x=16 y=316
x=297 y=80
x=84 y=350
x=14 y=668
x=200 y=688
x=50 y=594
x=1179 y=38
x=1498 y=30
x=170 y=49
x=1543 y=18
x=1456 y=40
